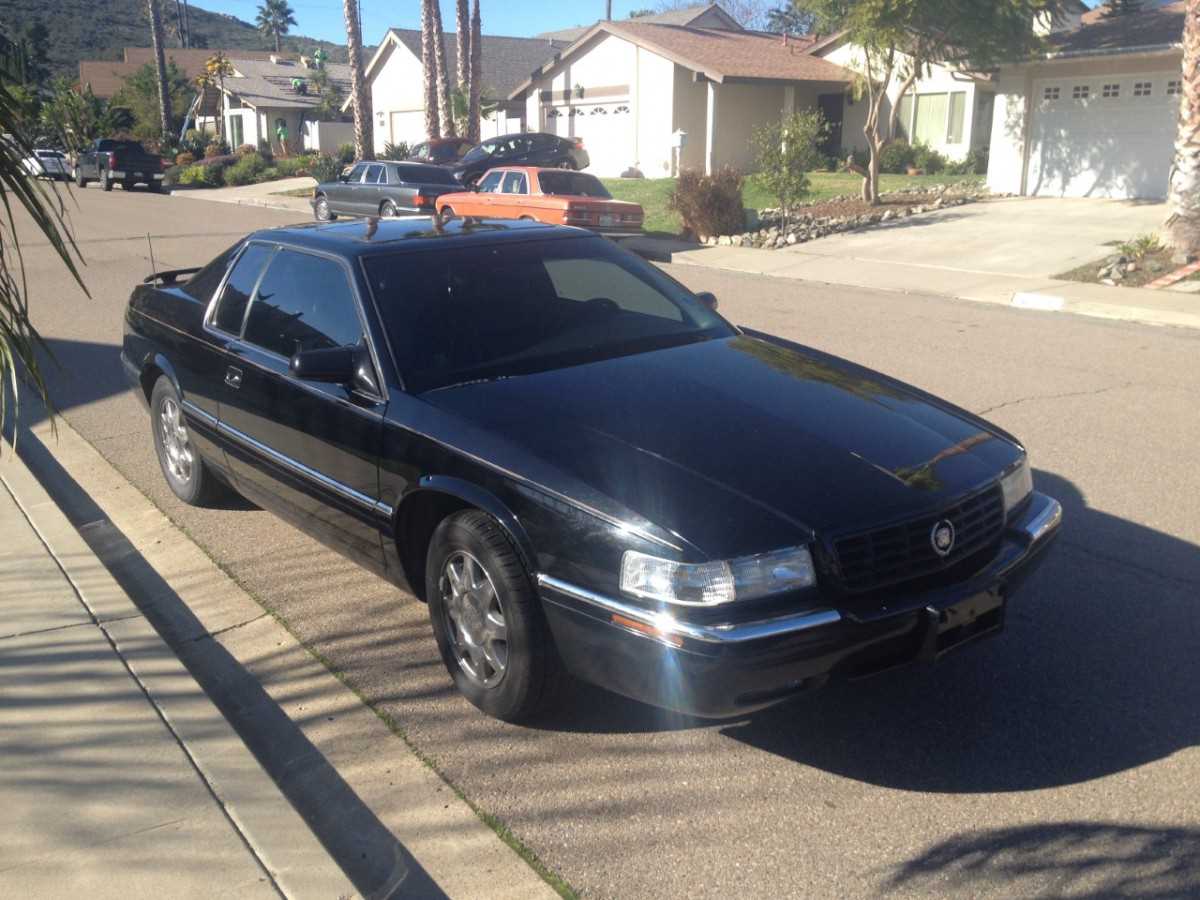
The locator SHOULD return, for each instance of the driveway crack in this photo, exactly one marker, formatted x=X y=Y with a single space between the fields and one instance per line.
x=228 y=628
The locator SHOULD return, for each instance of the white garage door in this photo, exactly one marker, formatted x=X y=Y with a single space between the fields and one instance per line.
x=1104 y=136
x=407 y=126
x=605 y=128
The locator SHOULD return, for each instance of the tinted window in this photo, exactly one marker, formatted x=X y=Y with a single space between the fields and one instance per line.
x=490 y=183
x=127 y=146
x=514 y=183
x=202 y=285
x=356 y=173
x=574 y=183
x=421 y=151
x=425 y=174
x=375 y=175
x=303 y=303
x=483 y=151
x=232 y=307
x=457 y=314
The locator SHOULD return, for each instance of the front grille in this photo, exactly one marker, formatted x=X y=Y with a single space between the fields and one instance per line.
x=904 y=552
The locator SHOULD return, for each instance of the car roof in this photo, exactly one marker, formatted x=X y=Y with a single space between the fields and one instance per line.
x=361 y=237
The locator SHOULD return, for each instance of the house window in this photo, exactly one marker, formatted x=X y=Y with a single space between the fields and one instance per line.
x=236 y=131
x=1174 y=88
x=1111 y=91
x=1143 y=88
x=932 y=119
x=1081 y=92
x=1052 y=93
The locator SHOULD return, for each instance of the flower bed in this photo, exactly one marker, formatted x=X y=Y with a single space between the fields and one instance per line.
x=848 y=213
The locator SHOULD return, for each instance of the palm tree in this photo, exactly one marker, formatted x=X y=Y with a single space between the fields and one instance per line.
x=216 y=69
x=1183 y=221
x=363 y=145
x=429 y=71
x=476 y=82
x=274 y=19
x=462 y=31
x=19 y=340
x=445 y=103
x=160 y=66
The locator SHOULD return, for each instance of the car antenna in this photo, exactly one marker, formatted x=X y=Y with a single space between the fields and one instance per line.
x=150 y=244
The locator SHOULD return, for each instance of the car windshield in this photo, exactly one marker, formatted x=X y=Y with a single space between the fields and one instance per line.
x=483 y=151
x=448 y=152
x=425 y=174
x=575 y=184
x=493 y=311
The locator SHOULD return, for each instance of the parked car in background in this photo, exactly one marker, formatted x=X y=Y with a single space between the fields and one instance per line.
x=48 y=164
x=532 y=149
x=127 y=163
x=553 y=196
x=383 y=189
x=442 y=151
x=578 y=464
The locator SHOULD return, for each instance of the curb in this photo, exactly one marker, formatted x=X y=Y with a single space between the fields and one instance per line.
x=261 y=203
x=381 y=812
x=276 y=837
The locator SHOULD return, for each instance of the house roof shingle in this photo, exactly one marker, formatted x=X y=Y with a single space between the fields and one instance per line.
x=506 y=61
x=267 y=84
x=1155 y=26
x=669 y=17
x=107 y=77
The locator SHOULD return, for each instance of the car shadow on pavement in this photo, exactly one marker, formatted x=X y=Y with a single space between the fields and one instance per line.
x=1096 y=672
x=1083 y=859
x=366 y=850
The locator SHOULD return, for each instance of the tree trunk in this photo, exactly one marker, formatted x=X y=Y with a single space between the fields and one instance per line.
x=443 y=76
x=160 y=66
x=1183 y=220
x=476 y=82
x=429 y=71
x=187 y=23
x=364 y=147
x=608 y=11
x=462 y=29
x=276 y=40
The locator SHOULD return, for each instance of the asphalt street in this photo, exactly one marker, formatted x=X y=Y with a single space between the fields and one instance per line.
x=1059 y=759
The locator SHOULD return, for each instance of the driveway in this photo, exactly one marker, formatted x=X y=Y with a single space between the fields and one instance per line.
x=983 y=251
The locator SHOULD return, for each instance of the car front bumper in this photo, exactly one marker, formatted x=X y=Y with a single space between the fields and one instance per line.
x=725 y=670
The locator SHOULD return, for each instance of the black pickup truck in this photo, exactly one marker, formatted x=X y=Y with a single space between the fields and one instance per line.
x=109 y=161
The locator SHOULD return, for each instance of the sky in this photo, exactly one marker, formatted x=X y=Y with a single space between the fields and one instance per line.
x=522 y=18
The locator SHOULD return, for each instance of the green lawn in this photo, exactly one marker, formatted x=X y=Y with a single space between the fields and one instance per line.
x=652 y=193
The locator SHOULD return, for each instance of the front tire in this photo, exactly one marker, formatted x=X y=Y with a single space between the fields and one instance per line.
x=322 y=211
x=487 y=619
x=387 y=210
x=80 y=181
x=187 y=475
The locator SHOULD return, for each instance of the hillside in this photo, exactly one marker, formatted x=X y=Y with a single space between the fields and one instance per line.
x=99 y=29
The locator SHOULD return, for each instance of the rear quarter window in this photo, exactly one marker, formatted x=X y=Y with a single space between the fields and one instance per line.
x=304 y=302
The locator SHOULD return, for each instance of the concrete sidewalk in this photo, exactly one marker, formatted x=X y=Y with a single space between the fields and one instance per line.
x=119 y=776
x=267 y=194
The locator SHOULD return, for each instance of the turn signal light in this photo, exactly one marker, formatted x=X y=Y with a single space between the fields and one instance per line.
x=649 y=630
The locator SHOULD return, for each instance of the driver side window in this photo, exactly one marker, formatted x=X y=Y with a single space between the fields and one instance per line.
x=490 y=182
x=356 y=173
x=514 y=183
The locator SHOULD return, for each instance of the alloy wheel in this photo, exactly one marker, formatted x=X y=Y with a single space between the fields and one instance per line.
x=475 y=618
x=176 y=446
x=323 y=210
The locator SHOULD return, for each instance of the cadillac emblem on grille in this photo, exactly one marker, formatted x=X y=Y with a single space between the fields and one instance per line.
x=942 y=537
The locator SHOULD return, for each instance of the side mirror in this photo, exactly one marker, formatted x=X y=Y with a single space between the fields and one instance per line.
x=708 y=298
x=348 y=366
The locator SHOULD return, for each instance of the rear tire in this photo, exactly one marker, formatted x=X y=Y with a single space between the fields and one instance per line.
x=387 y=210
x=187 y=474
x=321 y=210
x=488 y=620
x=80 y=181
x=448 y=213
x=155 y=187
x=105 y=182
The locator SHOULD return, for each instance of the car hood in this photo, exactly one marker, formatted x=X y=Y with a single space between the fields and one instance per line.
x=738 y=445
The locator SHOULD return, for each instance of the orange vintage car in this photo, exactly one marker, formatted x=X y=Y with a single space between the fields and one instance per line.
x=553 y=196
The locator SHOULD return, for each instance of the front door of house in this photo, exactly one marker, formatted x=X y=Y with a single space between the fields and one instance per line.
x=832 y=108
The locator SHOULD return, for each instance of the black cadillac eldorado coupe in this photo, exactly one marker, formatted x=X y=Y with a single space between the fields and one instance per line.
x=579 y=465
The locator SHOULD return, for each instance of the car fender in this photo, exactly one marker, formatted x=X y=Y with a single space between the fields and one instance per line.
x=156 y=360
x=481 y=498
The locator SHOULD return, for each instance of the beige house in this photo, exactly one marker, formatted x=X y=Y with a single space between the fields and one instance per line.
x=265 y=99
x=661 y=97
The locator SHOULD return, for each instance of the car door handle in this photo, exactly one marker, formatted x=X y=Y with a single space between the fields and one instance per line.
x=233 y=377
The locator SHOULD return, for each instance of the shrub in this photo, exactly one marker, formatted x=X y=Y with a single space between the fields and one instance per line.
x=246 y=170
x=928 y=160
x=709 y=204
x=1140 y=246
x=194 y=142
x=215 y=148
x=244 y=150
x=293 y=166
x=185 y=159
x=896 y=157
x=325 y=168
x=171 y=175
x=201 y=175
x=786 y=152
x=394 y=151
x=345 y=154
x=975 y=163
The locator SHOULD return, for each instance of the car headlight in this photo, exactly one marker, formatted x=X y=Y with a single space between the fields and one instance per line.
x=714 y=583
x=1017 y=485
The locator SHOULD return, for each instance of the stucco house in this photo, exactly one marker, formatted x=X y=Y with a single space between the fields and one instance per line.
x=1096 y=116
x=395 y=78
x=262 y=94
x=663 y=97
